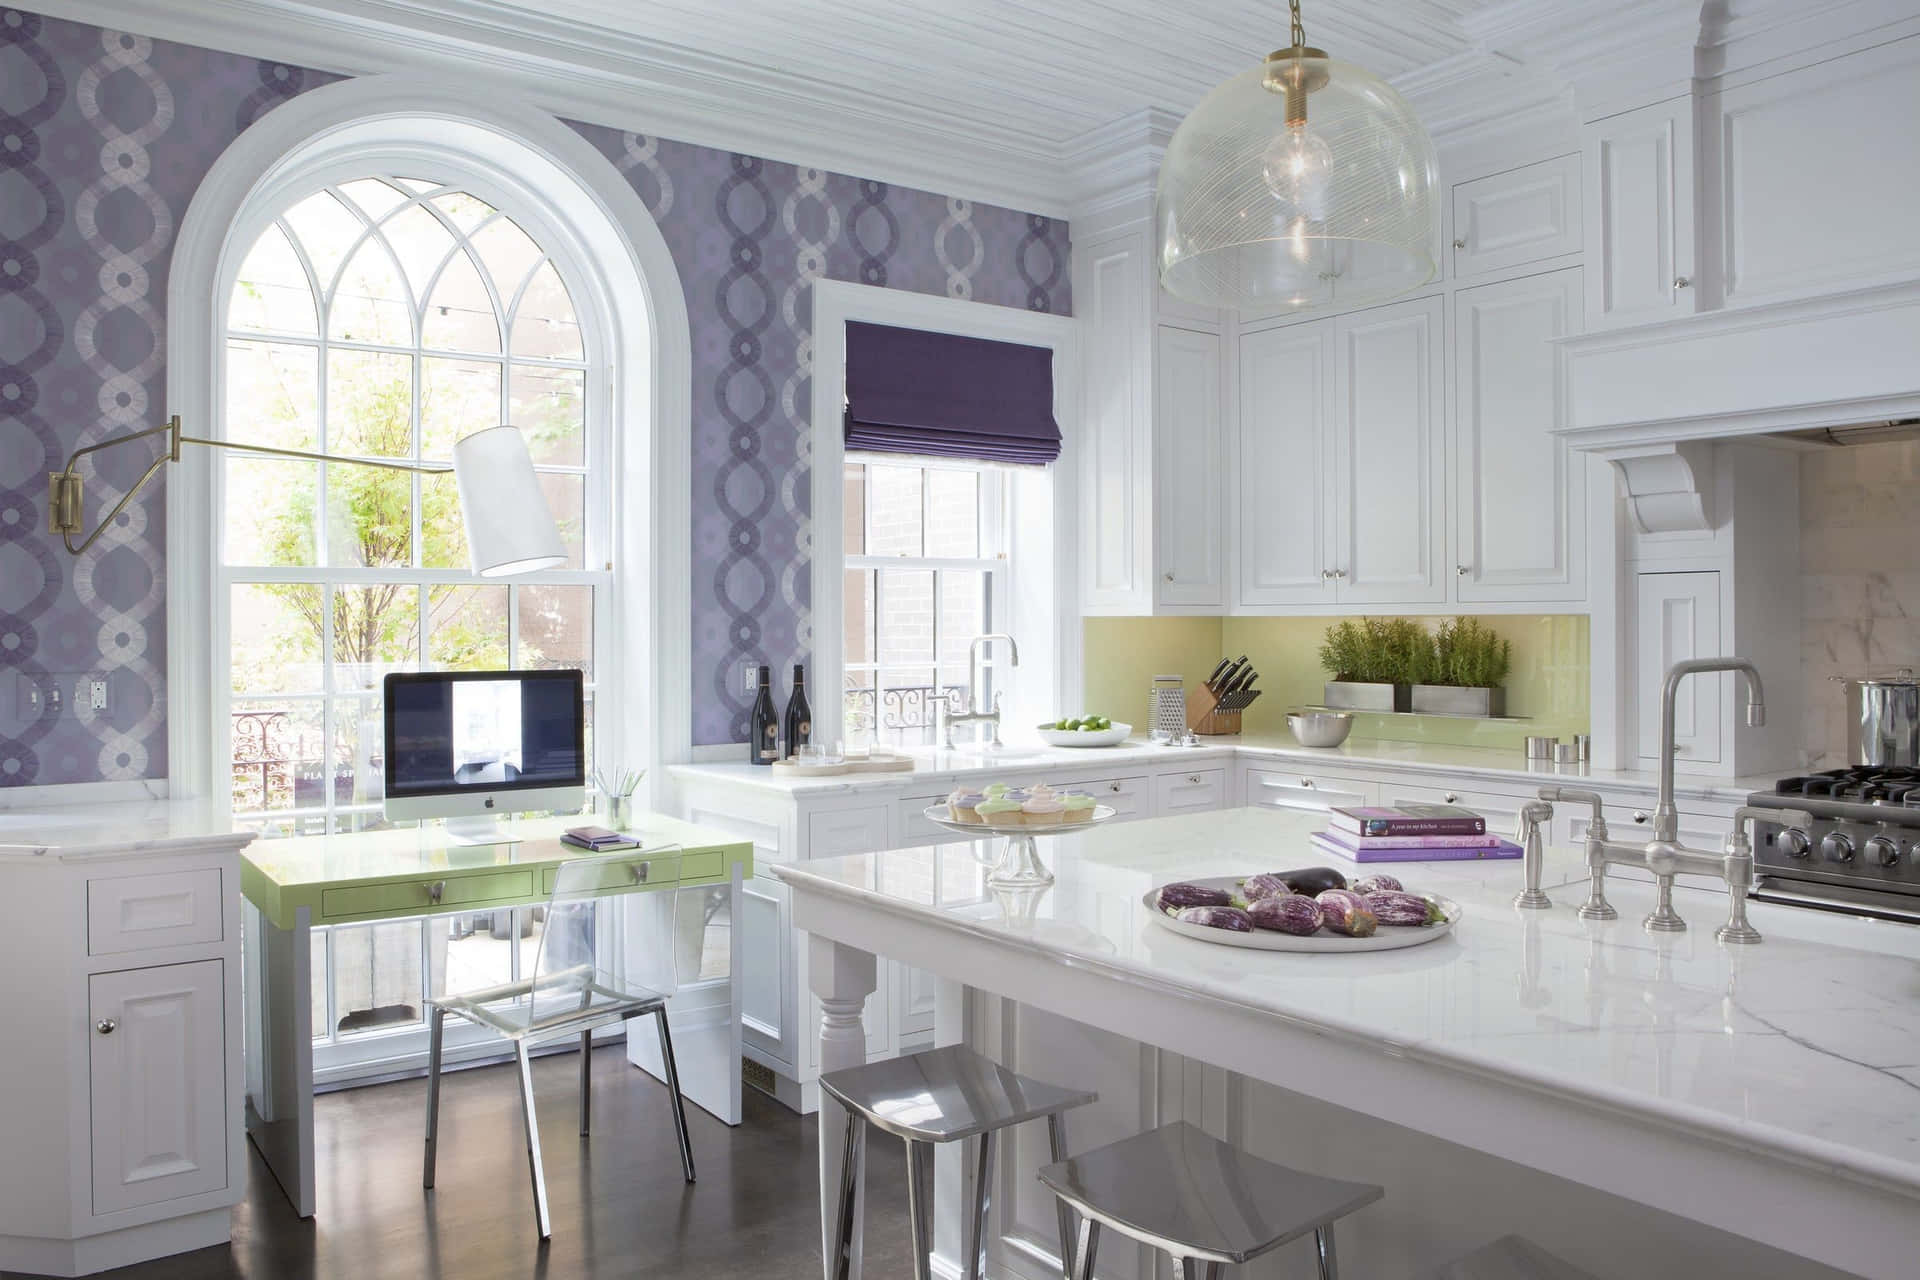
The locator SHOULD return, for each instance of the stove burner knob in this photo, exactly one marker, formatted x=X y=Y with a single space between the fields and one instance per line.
x=1884 y=851
x=1793 y=842
x=1837 y=847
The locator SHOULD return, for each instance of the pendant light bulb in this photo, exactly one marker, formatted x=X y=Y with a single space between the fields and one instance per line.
x=1296 y=168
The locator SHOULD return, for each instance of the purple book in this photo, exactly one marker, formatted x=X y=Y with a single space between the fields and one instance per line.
x=1408 y=820
x=1330 y=842
x=1415 y=842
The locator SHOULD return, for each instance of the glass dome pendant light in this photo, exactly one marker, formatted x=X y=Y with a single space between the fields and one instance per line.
x=1298 y=183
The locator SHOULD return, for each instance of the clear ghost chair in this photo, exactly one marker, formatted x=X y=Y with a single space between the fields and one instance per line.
x=569 y=994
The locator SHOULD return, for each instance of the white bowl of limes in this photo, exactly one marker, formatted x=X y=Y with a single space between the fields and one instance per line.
x=1085 y=731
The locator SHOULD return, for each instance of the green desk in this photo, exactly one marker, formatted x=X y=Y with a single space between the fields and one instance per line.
x=292 y=885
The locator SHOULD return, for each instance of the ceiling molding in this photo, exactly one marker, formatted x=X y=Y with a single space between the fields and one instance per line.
x=1609 y=57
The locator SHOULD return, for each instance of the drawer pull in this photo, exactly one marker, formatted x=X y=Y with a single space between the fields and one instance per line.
x=1307 y=782
x=1193 y=779
x=1114 y=787
x=1452 y=798
x=1639 y=815
x=106 y=1026
x=436 y=891
x=639 y=870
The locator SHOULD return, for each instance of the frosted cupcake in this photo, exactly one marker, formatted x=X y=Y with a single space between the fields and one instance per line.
x=1000 y=811
x=1019 y=794
x=1043 y=810
x=1078 y=806
x=963 y=805
x=994 y=790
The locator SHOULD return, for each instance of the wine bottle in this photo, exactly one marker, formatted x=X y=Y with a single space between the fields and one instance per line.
x=763 y=730
x=798 y=724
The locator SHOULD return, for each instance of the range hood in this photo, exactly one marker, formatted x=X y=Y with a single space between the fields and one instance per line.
x=1841 y=368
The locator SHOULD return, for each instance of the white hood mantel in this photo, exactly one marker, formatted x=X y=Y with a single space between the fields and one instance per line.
x=1648 y=398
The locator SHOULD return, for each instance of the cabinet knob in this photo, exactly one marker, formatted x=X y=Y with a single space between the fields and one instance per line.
x=1326 y=575
x=1463 y=570
x=1640 y=815
x=1193 y=779
x=1339 y=573
x=1168 y=576
x=639 y=870
x=1307 y=782
x=1114 y=787
x=1461 y=243
x=435 y=890
x=1683 y=282
x=1452 y=798
x=106 y=1026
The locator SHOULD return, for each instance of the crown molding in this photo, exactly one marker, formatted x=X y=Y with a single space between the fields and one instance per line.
x=1117 y=166
x=600 y=76
x=1610 y=57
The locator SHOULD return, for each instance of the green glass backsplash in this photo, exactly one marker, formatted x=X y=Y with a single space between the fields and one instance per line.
x=1548 y=685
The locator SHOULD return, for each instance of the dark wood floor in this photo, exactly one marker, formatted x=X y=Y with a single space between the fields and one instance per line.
x=620 y=1206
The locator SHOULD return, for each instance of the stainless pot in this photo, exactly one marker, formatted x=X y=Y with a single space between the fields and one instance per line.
x=1883 y=718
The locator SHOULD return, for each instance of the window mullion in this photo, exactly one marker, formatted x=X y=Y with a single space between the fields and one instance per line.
x=328 y=718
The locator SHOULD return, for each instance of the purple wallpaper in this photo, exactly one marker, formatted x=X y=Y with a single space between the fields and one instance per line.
x=104 y=137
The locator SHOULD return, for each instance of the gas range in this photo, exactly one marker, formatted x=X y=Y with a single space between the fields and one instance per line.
x=1861 y=854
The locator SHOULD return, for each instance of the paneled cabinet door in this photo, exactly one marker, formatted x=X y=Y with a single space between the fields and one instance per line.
x=1285 y=467
x=1640 y=232
x=1388 y=431
x=1116 y=424
x=1522 y=215
x=158 y=1067
x=1519 y=511
x=1189 y=473
x=1678 y=617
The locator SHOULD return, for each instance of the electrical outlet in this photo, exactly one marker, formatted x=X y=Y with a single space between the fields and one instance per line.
x=749 y=675
x=29 y=696
x=97 y=693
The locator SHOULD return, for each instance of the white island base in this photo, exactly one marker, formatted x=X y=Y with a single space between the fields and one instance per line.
x=1646 y=1107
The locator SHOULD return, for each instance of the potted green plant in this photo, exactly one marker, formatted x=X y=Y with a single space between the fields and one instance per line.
x=1375 y=662
x=1469 y=666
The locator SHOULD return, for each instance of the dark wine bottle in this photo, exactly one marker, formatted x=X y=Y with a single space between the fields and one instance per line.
x=798 y=724
x=763 y=730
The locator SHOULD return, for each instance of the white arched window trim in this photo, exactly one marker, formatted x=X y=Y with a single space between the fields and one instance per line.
x=577 y=202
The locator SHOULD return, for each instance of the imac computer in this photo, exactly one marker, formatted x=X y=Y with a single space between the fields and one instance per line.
x=472 y=746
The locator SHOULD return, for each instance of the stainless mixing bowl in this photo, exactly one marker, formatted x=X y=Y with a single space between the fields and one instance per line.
x=1320 y=728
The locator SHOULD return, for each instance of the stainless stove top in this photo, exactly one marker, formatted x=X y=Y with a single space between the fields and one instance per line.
x=1861 y=854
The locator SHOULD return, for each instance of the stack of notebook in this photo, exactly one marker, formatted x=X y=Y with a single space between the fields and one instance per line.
x=1410 y=833
x=598 y=839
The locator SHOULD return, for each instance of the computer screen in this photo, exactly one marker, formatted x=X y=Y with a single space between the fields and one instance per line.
x=457 y=734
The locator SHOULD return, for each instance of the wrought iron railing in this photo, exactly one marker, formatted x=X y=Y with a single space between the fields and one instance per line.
x=279 y=763
x=904 y=714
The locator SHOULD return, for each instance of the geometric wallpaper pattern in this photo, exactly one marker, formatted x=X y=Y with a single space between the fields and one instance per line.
x=103 y=138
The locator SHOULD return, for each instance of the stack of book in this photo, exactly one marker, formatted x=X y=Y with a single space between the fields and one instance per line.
x=1410 y=833
x=598 y=839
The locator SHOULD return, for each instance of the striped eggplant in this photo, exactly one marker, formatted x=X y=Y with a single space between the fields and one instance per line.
x=1376 y=883
x=1232 y=919
x=1174 y=897
x=1286 y=913
x=1312 y=880
x=1344 y=911
x=1254 y=888
x=1391 y=907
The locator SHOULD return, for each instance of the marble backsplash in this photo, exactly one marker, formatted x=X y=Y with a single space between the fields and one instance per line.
x=1859 y=578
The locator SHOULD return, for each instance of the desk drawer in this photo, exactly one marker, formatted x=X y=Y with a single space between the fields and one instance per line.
x=141 y=913
x=702 y=866
x=618 y=873
x=426 y=893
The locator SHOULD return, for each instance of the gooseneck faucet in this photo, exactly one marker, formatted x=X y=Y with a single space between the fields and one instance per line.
x=975 y=713
x=1666 y=818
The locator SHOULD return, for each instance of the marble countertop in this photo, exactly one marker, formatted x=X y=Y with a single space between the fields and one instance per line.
x=1805 y=1047
x=136 y=826
x=935 y=767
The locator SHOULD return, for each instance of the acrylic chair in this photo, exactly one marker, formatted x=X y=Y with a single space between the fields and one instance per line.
x=569 y=994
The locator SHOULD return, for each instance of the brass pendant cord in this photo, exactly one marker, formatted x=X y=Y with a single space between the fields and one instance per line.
x=1299 y=28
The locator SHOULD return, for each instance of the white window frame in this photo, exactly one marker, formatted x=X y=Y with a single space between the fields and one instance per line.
x=528 y=159
x=1040 y=611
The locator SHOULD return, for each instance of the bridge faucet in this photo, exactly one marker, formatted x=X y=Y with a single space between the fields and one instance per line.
x=975 y=714
x=1666 y=818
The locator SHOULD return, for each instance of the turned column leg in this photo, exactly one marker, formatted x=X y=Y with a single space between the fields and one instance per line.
x=842 y=978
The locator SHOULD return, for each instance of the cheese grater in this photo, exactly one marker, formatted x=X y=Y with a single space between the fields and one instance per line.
x=1169 y=701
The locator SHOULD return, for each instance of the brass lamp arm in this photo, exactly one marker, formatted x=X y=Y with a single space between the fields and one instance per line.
x=64 y=491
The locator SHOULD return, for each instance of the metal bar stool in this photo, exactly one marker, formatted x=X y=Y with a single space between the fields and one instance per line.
x=1510 y=1258
x=1204 y=1203
x=943 y=1095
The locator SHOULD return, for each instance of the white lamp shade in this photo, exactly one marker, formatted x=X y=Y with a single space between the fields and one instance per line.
x=510 y=529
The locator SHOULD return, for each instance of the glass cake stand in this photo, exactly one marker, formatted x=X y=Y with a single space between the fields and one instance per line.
x=1019 y=863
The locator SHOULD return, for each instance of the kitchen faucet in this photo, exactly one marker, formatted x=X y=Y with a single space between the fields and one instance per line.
x=1664 y=855
x=974 y=714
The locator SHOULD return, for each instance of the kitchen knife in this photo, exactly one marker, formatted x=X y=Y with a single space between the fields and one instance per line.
x=1244 y=681
x=1218 y=672
x=1226 y=677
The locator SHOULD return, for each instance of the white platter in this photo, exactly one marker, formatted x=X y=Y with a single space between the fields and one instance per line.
x=1080 y=738
x=1389 y=937
x=939 y=815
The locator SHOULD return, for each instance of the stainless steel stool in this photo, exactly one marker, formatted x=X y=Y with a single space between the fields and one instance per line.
x=1510 y=1258
x=943 y=1095
x=1199 y=1200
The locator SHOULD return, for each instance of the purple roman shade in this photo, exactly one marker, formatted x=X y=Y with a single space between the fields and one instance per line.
x=939 y=395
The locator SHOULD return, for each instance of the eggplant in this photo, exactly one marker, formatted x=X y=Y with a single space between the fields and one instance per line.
x=1232 y=919
x=1173 y=897
x=1391 y=907
x=1254 y=888
x=1313 y=880
x=1345 y=911
x=1376 y=883
x=1286 y=913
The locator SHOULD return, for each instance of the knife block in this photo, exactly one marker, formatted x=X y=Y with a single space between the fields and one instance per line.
x=1204 y=717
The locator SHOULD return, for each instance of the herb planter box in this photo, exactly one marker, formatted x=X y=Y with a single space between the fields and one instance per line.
x=1352 y=695
x=1453 y=700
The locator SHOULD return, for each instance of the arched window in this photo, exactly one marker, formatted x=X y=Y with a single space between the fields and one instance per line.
x=386 y=313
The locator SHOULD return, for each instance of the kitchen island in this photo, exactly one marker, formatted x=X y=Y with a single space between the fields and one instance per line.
x=1695 y=1109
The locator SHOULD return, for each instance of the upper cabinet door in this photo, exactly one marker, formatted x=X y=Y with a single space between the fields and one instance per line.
x=1389 y=464
x=1285 y=467
x=1189 y=474
x=1116 y=426
x=1519 y=512
x=1640 y=235
x=1522 y=215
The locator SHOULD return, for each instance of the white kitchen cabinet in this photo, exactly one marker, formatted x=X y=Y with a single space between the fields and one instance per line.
x=1285 y=465
x=1189 y=472
x=158 y=1079
x=1389 y=467
x=1519 y=503
x=1523 y=215
x=1313 y=791
x=1640 y=232
x=1677 y=617
x=1193 y=791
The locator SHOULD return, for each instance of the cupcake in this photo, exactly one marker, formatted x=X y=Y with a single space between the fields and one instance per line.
x=994 y=790
x=1078 y=806
x=1019 y=794
x=1043 y=810
x=1000 y=811
x=963 y=805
